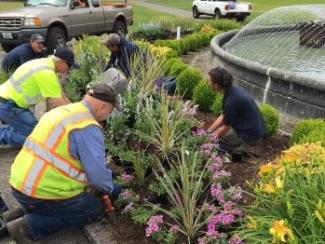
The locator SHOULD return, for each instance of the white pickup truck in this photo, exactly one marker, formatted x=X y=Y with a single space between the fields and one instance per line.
x=222 y=8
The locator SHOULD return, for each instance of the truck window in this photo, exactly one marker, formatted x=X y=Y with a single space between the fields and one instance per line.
x=96 y=3
x=58 y=3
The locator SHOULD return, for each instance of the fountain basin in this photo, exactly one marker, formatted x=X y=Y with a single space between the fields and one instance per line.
x=292 y=93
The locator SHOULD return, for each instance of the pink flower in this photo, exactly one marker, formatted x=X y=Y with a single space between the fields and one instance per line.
x=213 y=137
x=220 y=174
x=235 y=240
x=202 y=241
x=126 y=194
x=127 y=178
x=199 y=132
x=215 y=190
x=174 y=229
x=128 y=208
x=153 y=224
x=212 y=208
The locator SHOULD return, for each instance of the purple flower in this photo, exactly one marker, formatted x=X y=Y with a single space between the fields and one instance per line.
x=225 y=219
x=199 y=132
x=235 y=240
x=127 y=178
x=215 y=190
x=212 y=208
x=202 y=241
x=153 y=224
x=235 y=193
x=125 y=194
x=213 y=138
x=228 y=206
x=128 y=208
x=220 y=174
x=174 y=229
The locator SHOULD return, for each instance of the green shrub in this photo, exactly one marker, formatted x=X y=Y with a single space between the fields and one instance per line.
x=304 y=128
x=203 y=96
x=184 y=45
x=193 y=42
x=177 y=68
x=187 y=80
x=317 y=135
x=217 y=104
x=224 y=25
x=271 y=119
x=169 y=64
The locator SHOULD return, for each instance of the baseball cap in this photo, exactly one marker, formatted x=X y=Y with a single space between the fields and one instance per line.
x=37 y=37
x=67 y=55
x=102 y=91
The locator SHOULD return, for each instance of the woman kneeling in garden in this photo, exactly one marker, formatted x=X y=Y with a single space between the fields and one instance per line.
x=241 y=122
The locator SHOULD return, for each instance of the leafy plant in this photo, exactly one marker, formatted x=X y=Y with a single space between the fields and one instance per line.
x=216 y=107
x=140 y=215
x=289 y=203
x=304 y=127
x=3 y=76
x=187 y=80
x=317 y=135
x=187 y=211
x=271 y=119
x=150 y=32
x=169 y=64
x=204 y=96
x=177 y=68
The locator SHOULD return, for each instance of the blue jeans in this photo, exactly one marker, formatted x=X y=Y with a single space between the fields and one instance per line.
x=19 y=124
x=47 y=216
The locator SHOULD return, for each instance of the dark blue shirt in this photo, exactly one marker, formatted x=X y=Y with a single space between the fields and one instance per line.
x=241 y=112
x=18 y=56
x=122 y=58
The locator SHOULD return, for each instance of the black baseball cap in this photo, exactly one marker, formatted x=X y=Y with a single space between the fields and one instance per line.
x=37 y=37
x=67 y=55
x=104 y=92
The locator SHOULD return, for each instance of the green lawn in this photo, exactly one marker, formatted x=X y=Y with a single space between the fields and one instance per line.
x=259 y=6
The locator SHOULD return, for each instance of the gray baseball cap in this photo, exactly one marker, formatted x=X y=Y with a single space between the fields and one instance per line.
x=37 y=38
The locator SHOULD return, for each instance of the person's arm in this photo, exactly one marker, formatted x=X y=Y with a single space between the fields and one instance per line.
x=87 y=145
x=111 y=62
x=56 y=102
x=216 y=124
x=222 y=130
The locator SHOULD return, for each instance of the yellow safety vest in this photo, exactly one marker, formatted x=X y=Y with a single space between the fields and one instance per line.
x=22 y=86
x=44 y=168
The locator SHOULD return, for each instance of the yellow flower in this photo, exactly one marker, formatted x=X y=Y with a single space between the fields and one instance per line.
x=265 y=169
x=279 y=231
x=279 y=182
x=207 y=29
x=268 y=188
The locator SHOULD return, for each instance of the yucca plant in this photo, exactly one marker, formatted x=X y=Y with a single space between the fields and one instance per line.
x=164 y=123
x=145 y=69
x=185 y=193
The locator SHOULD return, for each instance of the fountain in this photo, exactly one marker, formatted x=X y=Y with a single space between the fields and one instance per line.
x=279 y=58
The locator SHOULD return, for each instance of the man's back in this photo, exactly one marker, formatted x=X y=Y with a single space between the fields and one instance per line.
x=18 y=56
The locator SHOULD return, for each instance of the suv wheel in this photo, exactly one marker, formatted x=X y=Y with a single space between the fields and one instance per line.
x=217 y=14
x=7 y=47
x=196 y=13
x=55 y=38
x=120 y=28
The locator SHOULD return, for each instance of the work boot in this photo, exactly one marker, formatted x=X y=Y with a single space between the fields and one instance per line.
x=18 y=231
x=12 y=214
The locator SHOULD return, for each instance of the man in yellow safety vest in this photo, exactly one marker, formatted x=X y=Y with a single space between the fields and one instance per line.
x=30 y=84
x=64 y=154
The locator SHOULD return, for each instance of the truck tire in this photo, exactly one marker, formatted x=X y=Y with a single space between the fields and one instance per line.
x=240 y=18
x=7 y=47
x=196 y=13
x=217 y=14
x=120 y=28
x=56 y=37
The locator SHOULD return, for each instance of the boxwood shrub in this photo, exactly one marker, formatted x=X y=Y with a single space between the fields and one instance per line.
x=204 y=96
x=304 y=128
x=271 y=119
x=177 y=68
x=187 y=80
x=216 y=107
x=316 y=135
x=169 y=64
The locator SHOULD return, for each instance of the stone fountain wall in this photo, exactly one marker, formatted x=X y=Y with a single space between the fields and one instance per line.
x=295 y=95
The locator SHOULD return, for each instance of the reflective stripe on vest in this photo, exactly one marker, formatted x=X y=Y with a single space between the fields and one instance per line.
x=16 y=84
x=59 y=129
x=33 y=177
x=54 y=161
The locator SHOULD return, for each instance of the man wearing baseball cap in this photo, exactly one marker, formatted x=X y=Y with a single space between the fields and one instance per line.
x=24 y=53
x=32 y=83
x=64 y=155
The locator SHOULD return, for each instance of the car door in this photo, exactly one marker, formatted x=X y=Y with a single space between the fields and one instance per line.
x=80 y=19
x=97 y=22
x=202 y=6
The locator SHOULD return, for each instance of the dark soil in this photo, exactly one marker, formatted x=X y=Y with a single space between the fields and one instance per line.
x=247 y=170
